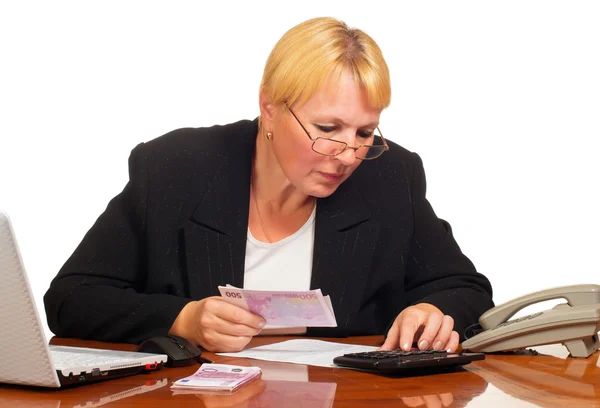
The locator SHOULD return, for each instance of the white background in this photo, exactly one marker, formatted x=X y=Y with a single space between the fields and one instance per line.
x=501 y=100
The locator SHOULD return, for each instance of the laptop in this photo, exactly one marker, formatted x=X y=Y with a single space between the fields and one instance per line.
x=25 y=356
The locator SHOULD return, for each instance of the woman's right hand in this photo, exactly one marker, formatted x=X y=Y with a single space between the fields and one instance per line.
x=216 y=325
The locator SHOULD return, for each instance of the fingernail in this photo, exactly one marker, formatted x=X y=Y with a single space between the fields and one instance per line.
x=406 y=346
x=261 y=324
x=437 y=346
x=423 y=344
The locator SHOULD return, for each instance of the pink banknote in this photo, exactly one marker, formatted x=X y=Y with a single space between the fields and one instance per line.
x=217 y=377
x=284 y=308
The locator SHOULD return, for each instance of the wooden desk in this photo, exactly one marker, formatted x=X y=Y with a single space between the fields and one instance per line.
x=498 y=381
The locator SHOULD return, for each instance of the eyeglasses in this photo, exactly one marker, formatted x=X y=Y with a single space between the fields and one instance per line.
x=331 y=147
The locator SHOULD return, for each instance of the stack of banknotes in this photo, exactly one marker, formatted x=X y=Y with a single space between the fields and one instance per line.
x=217 y=378
x=284 y=308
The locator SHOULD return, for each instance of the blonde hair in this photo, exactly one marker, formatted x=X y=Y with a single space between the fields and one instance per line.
x=320 y=49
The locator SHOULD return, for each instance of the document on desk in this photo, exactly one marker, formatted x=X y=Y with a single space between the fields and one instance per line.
x=301 y=351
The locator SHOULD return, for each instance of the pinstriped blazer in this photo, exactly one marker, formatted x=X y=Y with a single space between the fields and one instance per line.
x=178 y=230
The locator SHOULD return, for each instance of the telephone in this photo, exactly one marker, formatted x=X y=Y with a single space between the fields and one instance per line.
x=575 y=324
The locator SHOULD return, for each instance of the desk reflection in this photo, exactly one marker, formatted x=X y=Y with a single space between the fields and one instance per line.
x=271 y=393
x=545 y=380
x=454 y=388
x=149 y=385
x=280 y=385
x=429 y=401
x=96 y=395
x=443 y=390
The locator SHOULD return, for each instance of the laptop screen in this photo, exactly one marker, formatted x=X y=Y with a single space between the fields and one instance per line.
x=23 y=345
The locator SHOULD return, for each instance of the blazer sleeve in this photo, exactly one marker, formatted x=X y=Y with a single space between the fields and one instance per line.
x=437 y=271
x=98 y=293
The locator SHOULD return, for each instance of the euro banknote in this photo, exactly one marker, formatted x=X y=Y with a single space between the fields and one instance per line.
x=217 y=377
x=284 y=308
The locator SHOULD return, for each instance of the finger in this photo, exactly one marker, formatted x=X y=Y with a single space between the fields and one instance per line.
x=408 y=328
x=413 y=401
x=391 y=341
x=235 y=314
x=214 y=341
x=213 y=321
x=431 y=329
x=447 y=399
x=443 y=335
x=432 y=401
x=452 y=344
x=234 y=329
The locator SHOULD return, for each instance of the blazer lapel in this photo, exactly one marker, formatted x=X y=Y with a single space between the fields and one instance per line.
x=215 y=237
x=345 y=240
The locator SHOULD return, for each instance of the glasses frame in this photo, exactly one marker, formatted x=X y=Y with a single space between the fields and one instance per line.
x=344 y=144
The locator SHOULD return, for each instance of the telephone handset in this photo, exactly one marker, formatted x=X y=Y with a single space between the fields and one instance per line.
x=574 y=324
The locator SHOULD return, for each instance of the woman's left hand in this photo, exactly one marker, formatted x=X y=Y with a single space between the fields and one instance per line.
x=424 y=324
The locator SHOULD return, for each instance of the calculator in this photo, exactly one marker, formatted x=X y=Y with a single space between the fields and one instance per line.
x=404 y=362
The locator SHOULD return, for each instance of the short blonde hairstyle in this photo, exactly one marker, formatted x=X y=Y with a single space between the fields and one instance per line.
x=320 y=49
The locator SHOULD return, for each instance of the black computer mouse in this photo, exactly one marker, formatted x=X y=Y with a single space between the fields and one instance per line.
x=179 y=351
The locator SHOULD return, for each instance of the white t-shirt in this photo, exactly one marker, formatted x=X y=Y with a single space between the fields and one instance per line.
x=282 y=265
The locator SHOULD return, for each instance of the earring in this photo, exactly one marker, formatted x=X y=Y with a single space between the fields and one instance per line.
x=269 y=135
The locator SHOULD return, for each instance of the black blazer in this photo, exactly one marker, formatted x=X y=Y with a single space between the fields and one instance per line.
x=178 y=230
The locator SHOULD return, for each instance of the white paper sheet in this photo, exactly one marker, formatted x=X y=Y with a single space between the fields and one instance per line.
x=301 y=351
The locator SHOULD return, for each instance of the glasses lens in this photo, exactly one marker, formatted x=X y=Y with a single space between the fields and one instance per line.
x=328 y=147
x=368 y=153
x=373 y=151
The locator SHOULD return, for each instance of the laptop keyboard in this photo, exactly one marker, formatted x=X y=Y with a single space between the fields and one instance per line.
x=66 y=357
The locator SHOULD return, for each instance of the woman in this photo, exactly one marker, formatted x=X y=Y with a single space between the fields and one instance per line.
x=310 y=195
